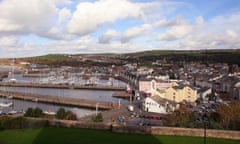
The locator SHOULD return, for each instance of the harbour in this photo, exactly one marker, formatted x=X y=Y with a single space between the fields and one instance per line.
x=51 y=91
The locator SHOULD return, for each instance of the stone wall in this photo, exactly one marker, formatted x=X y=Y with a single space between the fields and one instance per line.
x=131 y=129
x=78 y=124
x=148 y=130
x=195 y=132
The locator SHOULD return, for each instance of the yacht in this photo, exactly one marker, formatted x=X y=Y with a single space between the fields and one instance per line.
x=6 y=104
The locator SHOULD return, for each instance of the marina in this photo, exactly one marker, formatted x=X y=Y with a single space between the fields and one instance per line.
x=51 y=91
x=77 y=92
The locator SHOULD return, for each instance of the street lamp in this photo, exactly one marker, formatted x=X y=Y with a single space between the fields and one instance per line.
x=205 y=126
x=119 y=103
x=97 y=109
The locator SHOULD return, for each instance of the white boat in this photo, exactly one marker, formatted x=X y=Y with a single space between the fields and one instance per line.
x=11 y=112
x=6 y=104
x=49 y=112
x=12 y=80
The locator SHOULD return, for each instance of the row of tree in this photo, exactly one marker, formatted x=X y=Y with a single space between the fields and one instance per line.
x=61 y=113
x=227 y=116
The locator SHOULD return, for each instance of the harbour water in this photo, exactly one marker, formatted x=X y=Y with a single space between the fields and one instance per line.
x=20 y=105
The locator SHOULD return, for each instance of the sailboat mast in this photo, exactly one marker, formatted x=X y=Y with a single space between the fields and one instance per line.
x=13 y=62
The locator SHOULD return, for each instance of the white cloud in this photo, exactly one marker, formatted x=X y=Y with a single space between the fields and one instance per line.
x=90 y=16
x=136 y=32
x=8 y=41
x=26 y=16
x=179 y=20
x=62 y=2
x=7 y=26
x=177 y=28
x=63 y=15
x=176 y=32
x=108 y=36
x=218 y=33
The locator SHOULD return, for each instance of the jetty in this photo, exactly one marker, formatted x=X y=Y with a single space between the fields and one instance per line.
x=59 y=100
x=63 y=86
x=123 y=95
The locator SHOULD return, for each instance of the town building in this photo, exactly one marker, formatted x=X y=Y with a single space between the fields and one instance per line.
x=153 y=84
x=157 y=105
x=181 y=93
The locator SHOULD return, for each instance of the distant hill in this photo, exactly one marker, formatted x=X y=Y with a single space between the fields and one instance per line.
x=227 y=56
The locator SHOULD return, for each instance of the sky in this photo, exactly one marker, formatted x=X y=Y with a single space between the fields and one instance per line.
x=39 y=27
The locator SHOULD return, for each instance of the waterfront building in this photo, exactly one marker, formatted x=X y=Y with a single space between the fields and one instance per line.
x=180 y=93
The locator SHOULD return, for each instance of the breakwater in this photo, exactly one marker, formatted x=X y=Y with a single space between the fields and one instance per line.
x=74 y=102
x=61 y=86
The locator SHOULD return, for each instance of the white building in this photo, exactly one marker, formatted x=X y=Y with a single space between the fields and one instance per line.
x=203 y=93
x=157 y=105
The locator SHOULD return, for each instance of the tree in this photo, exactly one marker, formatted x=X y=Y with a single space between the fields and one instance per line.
x=230 y=116
x=29 y=112
x=61 y=113
x=37 y=112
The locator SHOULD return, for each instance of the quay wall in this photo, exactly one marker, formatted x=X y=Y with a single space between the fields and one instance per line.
x=55 y=100
x=61 y=86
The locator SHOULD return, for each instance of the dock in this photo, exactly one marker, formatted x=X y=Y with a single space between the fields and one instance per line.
x=58 y=100
x=123 y=95
x=62 y=86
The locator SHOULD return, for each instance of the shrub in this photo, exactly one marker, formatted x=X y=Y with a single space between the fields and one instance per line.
x=68 y=115
x=21 y=122
x=97 y=118
x=71 y=116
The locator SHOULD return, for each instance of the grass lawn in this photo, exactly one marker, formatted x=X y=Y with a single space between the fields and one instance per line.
x=85 y=136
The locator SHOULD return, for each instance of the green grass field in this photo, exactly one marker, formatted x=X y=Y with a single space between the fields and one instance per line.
x=53 y=57
x=85 y=136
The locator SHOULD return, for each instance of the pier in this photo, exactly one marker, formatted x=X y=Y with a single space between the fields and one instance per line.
x=123 y=95
x=62 y=86
x=81 y=103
